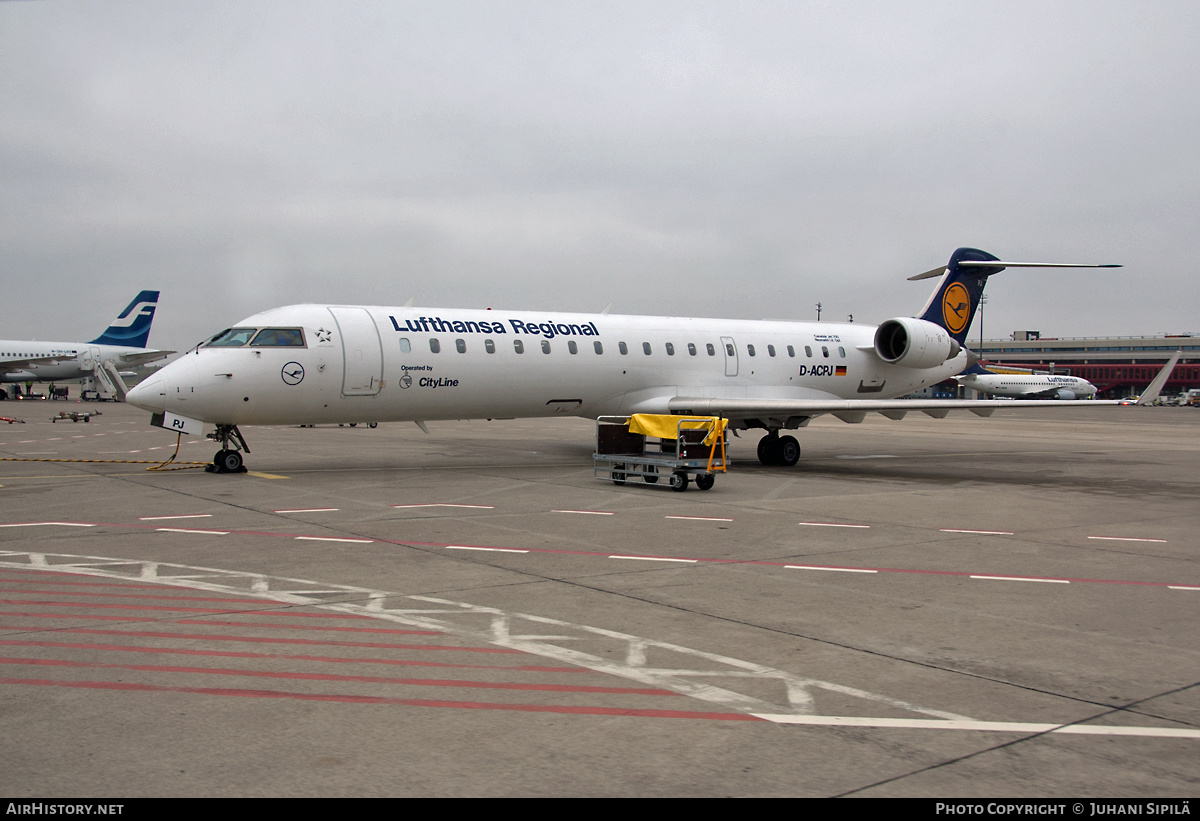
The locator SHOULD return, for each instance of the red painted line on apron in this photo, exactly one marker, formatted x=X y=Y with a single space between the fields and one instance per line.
x=216 y=623
x=179 y=651
x=148 y=595
x=297 y=676
x=408 y=702
x=61 y=581
x=273 y=612
x=378 y=645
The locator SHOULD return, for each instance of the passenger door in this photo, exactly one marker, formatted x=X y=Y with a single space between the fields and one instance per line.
x=729 y=348
x=362 y=352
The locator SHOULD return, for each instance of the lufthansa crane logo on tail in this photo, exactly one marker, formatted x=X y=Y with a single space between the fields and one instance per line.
x=956 y=308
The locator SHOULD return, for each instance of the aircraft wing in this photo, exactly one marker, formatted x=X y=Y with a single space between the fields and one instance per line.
x=13 y=365
x=1049 y=392
x=143 y=357
x=798 y=411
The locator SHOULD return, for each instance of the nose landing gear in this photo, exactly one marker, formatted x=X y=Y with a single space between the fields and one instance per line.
x=228 y=459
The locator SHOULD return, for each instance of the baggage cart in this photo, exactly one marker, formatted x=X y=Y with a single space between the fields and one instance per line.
x=649 y=447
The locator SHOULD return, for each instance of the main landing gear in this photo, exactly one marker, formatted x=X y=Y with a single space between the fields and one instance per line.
x=228 y=459
x=774 y=449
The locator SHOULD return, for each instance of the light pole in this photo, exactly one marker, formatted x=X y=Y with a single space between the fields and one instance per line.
x=982 y=302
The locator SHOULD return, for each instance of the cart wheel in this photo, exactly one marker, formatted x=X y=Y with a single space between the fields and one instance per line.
x=372 y=424
x=706 y=481
x=618 y=474
x=679 y=481
x=651 y=475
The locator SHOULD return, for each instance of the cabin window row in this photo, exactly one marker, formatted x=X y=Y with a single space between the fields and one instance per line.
x=489 y=345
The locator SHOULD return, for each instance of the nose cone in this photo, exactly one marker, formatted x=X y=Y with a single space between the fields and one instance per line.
x=150 y=394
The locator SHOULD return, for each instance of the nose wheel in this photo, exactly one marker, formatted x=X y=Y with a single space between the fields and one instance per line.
x=228 y=461
x=229 y=458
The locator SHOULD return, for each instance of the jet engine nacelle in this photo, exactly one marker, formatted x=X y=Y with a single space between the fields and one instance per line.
x=914 y=343
x=1066 y=394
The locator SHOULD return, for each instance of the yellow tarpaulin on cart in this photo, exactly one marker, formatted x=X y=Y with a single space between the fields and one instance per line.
x=665 y=426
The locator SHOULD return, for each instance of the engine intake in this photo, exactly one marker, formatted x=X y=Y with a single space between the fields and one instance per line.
x=914 y=343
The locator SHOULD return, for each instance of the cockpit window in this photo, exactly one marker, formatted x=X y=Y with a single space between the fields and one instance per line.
x=232 y=338
x=279 y=338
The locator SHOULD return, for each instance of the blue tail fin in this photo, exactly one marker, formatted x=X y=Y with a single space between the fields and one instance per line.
x=132 y=328
x=954 y=302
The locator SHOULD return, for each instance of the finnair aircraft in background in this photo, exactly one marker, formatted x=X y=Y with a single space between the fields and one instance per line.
x=122 y=345
x=307 y=364
x=1026 y=385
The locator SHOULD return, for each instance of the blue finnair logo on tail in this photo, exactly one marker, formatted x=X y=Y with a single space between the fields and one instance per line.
x=132 y=328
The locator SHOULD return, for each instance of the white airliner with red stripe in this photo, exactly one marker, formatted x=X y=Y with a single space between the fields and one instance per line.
x=307 y=364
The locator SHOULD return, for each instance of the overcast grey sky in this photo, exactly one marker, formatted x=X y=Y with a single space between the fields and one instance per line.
x=742 y=159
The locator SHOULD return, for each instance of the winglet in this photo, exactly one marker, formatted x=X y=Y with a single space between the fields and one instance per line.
x=1150 y=395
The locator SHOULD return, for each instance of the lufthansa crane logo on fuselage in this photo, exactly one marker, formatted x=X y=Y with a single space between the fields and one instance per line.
x=292 y=373
x=956 y=308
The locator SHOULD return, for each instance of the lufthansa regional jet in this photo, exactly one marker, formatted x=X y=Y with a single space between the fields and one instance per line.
x=123 y=344
x=305 y=364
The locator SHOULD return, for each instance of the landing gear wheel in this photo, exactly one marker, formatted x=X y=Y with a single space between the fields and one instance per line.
x=788 y=451
x=651 y=475
x=618 y=474
x=768 y=450
x=679 y=481
x=372 y=424
x=227 y=461
x=706 y=481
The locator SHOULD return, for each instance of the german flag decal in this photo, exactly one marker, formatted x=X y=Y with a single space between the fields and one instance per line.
x=841 y=371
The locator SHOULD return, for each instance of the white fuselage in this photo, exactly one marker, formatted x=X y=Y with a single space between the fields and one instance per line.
x=377 y=364
x=69 y=360
x=1029 y=385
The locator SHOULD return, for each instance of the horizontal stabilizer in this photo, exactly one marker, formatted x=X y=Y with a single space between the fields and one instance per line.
x=958 y=294
x=1000 y=264
x=143 y=357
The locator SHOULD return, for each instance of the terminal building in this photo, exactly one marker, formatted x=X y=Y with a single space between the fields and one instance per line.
x=1118 y=366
